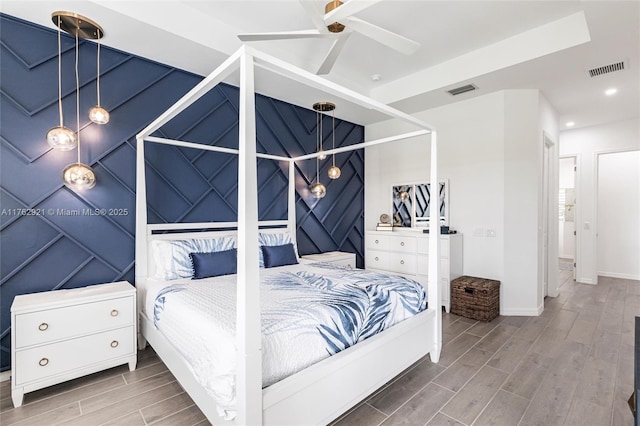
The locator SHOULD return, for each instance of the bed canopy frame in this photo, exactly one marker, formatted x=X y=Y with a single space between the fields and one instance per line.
x=308 y=396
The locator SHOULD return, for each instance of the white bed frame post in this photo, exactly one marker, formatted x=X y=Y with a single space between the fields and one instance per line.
x=248 y=328
x=141 y=266
x=291 y=202
x=141 y=212
x=433 y=286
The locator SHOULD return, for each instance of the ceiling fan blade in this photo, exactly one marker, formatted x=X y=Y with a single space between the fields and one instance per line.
x=386 y=37
x=315 y=12
x=285 y=35
x=347 y=9
x=330 y=58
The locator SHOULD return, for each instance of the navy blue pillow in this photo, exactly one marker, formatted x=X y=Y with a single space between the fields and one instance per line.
x=279 y=255
x=213 y=264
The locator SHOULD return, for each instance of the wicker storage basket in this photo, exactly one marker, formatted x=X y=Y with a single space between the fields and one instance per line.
x=475 y=298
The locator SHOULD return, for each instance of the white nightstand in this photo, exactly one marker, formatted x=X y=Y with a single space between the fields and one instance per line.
x=337 y=257
x=64 y=334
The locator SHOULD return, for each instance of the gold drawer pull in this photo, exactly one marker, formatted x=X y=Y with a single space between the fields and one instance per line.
x=377 y=258
x=402 y=262
x=43 y=326
x=377 y=241
x=402 y=243
x=43 y=362
x=114 y=313
x=114 y=344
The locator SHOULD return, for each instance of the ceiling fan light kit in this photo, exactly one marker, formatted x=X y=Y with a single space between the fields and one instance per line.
x=335 y=27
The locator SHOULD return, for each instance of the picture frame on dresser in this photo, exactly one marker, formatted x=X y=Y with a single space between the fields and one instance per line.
x=411 y=203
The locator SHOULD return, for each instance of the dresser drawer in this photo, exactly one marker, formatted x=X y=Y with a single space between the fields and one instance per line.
x=377 y=242
x=402 y=263
x=57 y=358
x=36 y=328
x=402 y=243
x=423 y=246
x=423 y=265
x=376 y=259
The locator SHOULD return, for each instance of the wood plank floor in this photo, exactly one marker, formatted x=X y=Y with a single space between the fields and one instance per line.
x=573 y=365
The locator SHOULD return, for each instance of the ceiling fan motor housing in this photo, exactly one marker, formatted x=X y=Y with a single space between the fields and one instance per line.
x=336 y=27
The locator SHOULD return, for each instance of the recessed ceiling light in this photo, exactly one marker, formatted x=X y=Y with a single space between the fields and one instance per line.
x=376 y=77
x=570 y=123
x=611 y=91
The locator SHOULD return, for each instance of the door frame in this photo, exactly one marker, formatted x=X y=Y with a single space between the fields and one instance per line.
x=549 y=209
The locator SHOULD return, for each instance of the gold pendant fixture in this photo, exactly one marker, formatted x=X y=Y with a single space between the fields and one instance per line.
x=318 y=190
x=76 y=176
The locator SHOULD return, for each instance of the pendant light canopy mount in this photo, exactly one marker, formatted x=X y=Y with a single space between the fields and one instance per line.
x=76 y=24
x=324 y=106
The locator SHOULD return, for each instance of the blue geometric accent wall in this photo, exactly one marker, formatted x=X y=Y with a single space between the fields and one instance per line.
x=49 y=238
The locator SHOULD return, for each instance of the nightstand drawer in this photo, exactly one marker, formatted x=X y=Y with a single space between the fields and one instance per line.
x=57 y=358
x=53 y=324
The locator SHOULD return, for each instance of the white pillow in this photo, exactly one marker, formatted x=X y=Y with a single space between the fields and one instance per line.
x=279 y=239
x=172 y=256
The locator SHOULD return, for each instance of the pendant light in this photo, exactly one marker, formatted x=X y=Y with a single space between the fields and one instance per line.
x=98 y=114
x=77 y=176
x=321 y=107
x=318 y=190
x=60 y=137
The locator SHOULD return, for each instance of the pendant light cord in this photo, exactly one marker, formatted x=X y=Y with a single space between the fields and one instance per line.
x=77 y=98
x=98 y=79
x=60 y=73
x=333 y=134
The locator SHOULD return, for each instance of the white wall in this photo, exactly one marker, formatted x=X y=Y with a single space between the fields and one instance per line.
x=492 y=186
x=618 y=207
x=586 y=143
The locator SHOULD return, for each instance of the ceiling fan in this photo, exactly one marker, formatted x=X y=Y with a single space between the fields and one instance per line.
x=331 y=24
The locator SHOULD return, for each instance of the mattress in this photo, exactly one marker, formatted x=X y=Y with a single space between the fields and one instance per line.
x=310 y=311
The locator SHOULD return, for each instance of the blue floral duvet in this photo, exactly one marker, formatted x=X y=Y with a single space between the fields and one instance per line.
x=309 y=312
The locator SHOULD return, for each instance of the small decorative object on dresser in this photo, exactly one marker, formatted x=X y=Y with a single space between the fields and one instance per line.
x=336 y=257
x=475 y=298
x=64 y=334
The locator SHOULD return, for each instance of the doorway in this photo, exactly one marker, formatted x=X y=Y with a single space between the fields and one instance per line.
x=567 y=198
x=618 y=210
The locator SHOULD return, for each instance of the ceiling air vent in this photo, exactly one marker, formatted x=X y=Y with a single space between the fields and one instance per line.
x=595 y=72
x=462 y=89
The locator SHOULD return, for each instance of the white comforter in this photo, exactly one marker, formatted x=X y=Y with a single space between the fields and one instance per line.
x=309 y=312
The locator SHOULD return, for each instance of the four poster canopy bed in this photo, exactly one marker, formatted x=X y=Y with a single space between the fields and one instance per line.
x=293 y=342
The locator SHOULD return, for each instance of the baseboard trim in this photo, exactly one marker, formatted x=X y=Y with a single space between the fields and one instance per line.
x=586 y=281
x=5 y=375
x=617 y=275
x=523 y=312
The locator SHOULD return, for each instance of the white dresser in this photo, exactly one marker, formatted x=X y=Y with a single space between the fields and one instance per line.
x=338 y=257
x=407 y=253
x=64 y=334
